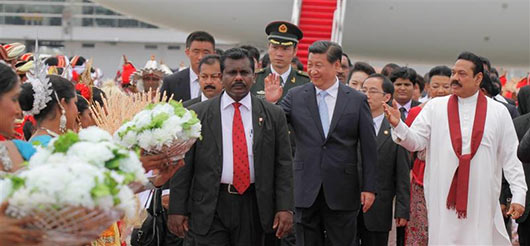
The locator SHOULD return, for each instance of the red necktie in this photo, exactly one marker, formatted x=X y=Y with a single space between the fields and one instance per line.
x=241 y=179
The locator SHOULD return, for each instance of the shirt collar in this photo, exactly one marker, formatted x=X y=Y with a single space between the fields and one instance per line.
x=193 y=76
x=332 y=91
x=227 y=101
x=470 y=99
x=203 y=97
x=285 y=75
x=379 y=118
x=406 y=106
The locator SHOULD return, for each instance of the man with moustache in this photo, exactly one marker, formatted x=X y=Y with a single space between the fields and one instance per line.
x=209 y=79
x=404 y=80
x=184 y=85
x=237 y=182
x=469 y=142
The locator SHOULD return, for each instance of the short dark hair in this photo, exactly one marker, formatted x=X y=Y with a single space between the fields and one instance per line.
x=488 y=85
x=485 y=61
x=468 y=56
x=386 y=84
x=252 y=51
x=420 y=81
x=404 y=73
x=361 y=67
x=209 y=60
x=219 y=52
x=63 y=87
x=200 y=36
x=332 y=50
x=493 y=71
x=389 y=68
x=441 y=70
x=236 y=54
x=347 y=58
x=265 y=61
x=8 y=78
x=298 y=63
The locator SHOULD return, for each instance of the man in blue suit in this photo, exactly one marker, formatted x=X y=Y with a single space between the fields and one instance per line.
x=330 y=121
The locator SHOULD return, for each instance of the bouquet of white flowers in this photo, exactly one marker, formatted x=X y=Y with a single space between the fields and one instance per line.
x=71 y=201
x=96 y=147
x=161 y=127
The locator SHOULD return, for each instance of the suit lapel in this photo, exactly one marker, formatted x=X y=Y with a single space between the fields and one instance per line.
x=186 y=86
x=214 y=122
x=383 y=134
x=340 y=104
x=289 y=84
x=258 y=119
x=311 y=102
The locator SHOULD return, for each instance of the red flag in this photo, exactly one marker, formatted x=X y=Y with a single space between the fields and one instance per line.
x=522 y=82
x=503 y=80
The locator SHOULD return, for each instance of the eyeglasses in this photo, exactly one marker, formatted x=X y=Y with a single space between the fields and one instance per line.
x=372 y=91
x=214 y=76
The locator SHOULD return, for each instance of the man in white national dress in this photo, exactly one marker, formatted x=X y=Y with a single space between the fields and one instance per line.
x=469 y=140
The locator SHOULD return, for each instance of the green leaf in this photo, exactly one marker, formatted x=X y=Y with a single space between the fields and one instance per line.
x=65 y=141
x=17 y=182
x=99 y=190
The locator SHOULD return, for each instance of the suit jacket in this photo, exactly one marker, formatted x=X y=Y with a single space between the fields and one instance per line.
x=414 y=103
x=190 y=102
x=522 y=125
x=195 y=187
x=393 y=180
x=177 y=85
x=331 y=162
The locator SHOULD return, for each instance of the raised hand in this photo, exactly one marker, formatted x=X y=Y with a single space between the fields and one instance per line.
x=392 y=113
x=273 y=88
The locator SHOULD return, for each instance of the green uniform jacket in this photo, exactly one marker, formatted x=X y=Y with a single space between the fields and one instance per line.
x=295 y=78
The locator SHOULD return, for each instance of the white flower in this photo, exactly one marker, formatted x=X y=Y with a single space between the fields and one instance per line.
x=94 y=134
x=146 y=140
x=6 y=187
x=93 y=153
x=128 y=202
x=40 y=157
x=142 y=119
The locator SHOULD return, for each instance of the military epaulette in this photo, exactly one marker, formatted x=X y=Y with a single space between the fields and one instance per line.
x=302 y=73
x=261 y=70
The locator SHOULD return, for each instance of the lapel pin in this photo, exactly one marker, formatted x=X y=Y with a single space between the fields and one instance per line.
x=260 y=121
x=386 y=132
x=293 y=79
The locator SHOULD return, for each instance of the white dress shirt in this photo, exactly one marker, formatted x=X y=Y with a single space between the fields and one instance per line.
x=406 y=106
x=284 y=76
x=203 y=97
x=195 y=87
x=378 y=120
x=227 y=118
x=331 y=98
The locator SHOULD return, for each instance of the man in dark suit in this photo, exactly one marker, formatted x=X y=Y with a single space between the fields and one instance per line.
x=237 y=182
x=404 y=80
x=209 y=79
x=522 y=124
x=393 y=179
x=330 y=120
x=184 y=85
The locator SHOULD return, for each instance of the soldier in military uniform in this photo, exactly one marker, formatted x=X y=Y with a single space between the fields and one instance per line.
x=283 y=39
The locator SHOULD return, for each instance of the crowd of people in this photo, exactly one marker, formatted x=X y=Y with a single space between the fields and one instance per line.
x=337 y=153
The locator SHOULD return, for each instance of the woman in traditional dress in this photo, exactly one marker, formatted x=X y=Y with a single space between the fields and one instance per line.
x=417 y=230
x=12 y=231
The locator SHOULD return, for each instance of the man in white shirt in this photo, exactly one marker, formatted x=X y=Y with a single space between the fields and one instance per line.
x=404 y=80
x=184 y=85
x=470 y=142
x=209 y=79
x=237 y=182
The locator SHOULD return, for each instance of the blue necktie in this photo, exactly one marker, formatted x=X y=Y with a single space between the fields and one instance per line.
x=323 y=111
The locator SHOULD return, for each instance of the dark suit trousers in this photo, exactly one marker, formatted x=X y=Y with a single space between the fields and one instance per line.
x=369 y=238
x=523 y=230
x=236 y=221
x=312 y=222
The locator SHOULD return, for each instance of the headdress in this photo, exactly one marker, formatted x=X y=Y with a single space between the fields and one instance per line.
x=151 y=67
x=42 y=87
